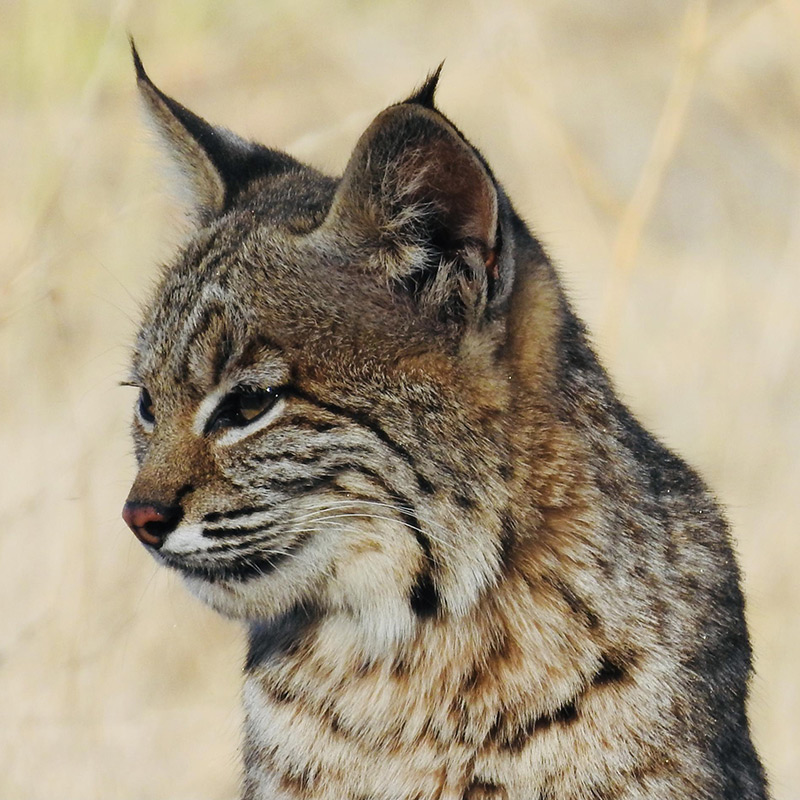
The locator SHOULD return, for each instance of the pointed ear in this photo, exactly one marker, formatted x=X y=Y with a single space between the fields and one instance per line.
x=214 y=164
x=419 y=191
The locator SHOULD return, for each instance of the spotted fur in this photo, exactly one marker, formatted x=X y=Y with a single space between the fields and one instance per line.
x=372 y=429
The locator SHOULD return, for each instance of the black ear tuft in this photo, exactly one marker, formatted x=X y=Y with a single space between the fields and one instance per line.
x=424 y=96
x=141 y=75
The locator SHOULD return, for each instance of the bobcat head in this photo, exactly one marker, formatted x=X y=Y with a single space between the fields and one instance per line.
x=324 y=375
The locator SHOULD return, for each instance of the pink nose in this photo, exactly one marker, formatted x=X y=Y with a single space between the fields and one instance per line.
x=151 y=522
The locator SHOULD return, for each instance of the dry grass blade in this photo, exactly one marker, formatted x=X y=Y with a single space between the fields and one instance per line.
x=665 y=141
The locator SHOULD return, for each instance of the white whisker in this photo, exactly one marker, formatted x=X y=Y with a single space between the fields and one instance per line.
x=329 y=513
x=437 y=540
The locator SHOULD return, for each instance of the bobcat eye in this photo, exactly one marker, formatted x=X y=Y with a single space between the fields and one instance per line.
x=146 y=407
x=241 y=407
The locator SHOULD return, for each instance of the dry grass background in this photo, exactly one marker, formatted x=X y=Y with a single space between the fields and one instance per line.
x=655 y=146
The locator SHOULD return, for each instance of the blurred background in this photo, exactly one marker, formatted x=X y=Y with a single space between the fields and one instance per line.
x=654 y=147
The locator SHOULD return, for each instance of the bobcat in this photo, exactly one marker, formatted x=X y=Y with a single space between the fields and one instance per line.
x=371 y=427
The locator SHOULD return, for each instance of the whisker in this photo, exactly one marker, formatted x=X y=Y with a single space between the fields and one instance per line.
x=444 y=544
x=400 y=509
x=331 y=512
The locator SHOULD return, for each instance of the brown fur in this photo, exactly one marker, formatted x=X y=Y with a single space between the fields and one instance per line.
x=468 y=572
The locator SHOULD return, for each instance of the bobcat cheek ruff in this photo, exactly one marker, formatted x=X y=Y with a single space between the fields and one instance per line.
x=371 y=427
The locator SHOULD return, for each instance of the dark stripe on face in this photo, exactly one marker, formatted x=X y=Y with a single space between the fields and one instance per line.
x=187 y=488
x=423 y=598
x=223 y=350
x=402 y=505
x=235 y=513
x=239 y=530
x=310 y=456
x=243 y=569
x=251 y=534
x=365 y=421
x=318 y=425
x=311 y=483
x=199 y=327
x=424 y=593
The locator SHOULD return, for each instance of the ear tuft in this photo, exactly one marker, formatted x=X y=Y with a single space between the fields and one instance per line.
x=424 y=96
x=141 y=75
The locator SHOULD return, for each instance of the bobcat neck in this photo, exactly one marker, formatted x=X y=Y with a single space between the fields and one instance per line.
x=439 y=717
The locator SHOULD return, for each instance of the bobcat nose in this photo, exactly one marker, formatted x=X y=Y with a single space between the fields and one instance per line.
x=151 y=523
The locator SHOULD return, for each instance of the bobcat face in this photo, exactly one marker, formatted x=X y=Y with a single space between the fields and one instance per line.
x=322 y=390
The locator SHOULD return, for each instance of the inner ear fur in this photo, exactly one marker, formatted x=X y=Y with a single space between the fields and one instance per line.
x=215 y=163
x=413 y=179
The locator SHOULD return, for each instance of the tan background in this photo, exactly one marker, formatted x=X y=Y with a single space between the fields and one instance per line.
x=655 y=147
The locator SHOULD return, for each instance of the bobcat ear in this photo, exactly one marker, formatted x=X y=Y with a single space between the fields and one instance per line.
x=416 y=188
x=214 y=163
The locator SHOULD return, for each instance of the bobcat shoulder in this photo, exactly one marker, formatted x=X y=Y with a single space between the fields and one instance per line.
x=371 y=427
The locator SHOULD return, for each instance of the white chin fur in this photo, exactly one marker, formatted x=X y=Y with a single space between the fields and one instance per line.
x=258 y=598
x=186 y=539
x=362 y=575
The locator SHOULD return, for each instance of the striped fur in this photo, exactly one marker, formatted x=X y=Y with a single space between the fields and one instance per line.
x=467 y=572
